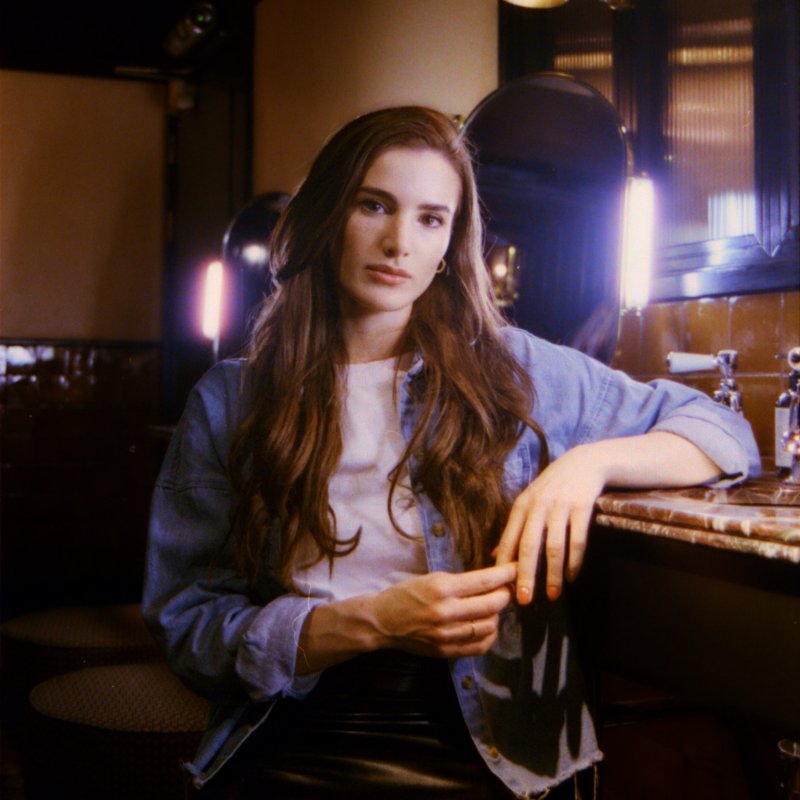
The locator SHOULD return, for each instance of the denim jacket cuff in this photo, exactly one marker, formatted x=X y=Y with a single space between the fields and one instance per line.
x=721 y=444
x=267 y=654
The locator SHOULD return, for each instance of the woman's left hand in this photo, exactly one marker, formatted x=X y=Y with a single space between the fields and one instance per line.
x=554 y=510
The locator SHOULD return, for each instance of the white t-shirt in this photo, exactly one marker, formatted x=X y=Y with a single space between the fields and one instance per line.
x=372 y=447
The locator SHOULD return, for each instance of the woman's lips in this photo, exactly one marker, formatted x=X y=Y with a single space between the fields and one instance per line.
x=391 y=276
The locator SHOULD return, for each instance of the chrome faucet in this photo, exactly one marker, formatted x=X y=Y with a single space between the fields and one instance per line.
x=725 y=361
x=787 y=432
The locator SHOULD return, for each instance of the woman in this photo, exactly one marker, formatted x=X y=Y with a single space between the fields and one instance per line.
x=344 y=550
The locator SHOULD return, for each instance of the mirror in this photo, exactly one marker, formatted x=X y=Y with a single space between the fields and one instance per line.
x=552 y=159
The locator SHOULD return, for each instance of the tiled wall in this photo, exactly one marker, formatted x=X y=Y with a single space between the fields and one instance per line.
x=761 y=327
x=76 y=470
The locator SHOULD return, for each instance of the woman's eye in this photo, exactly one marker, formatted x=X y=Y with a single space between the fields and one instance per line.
x=373 y=206
x=432 y=221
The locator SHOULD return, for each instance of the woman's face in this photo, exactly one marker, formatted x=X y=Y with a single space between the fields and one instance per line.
x=397 y=233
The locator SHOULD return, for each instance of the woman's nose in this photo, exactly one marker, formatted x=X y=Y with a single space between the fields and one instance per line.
x=396 y=238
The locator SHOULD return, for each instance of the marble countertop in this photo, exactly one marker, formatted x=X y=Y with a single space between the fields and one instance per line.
x=760 y=517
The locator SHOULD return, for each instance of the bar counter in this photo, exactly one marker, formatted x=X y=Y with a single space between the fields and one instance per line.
x=697 y=591
x=761 y=517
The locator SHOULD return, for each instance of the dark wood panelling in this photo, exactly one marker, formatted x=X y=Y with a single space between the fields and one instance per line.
x=77 y=468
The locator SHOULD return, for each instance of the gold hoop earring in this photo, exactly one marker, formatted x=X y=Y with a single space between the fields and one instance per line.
x=442 y=267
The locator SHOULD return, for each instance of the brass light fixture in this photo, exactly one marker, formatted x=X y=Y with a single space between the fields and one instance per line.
x=504 y=267
x=537 y=3
x=614 y=5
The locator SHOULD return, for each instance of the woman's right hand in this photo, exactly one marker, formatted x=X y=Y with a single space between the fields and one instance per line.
x=444 y=614
x=441 y=614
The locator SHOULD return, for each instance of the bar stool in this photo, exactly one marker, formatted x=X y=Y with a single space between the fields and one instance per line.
x=41 y=644
x=118 y=731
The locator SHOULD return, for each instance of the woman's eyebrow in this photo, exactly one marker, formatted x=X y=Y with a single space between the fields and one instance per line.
x=437 y=207
x=384 y=195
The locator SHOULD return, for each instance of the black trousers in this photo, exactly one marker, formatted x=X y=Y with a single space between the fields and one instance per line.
x=385 y=725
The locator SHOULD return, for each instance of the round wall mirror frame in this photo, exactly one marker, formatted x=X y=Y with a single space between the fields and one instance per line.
x=552 y=158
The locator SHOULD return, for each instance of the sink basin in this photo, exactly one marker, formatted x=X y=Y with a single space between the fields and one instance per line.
x=768 y=491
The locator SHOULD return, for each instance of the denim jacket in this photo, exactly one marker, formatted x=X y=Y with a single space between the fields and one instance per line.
x=523 y=701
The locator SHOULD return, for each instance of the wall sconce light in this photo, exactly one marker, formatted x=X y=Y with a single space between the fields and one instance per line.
x=638 y=223
x=504 y=270
x=213 y=292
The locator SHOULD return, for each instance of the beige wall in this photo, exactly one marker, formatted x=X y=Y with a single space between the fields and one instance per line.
x=82 y=159
x=81 y=207
x=319 y=63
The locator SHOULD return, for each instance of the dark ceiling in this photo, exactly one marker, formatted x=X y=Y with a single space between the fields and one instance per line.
x=108 y=38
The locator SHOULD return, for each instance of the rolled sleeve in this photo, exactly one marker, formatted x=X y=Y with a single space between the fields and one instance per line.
x=579 y=400
x=272 y=638
x=720 y=438
x=628 y=408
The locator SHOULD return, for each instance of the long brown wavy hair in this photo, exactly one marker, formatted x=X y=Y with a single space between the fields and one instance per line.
x=473 y=397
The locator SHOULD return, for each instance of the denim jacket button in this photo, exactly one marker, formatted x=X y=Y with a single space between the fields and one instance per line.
x=467 y=682
x=492 y=751
x=437 y=529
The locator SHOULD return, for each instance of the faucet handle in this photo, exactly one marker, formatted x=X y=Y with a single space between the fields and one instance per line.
x=678 y=363
x=725 y=360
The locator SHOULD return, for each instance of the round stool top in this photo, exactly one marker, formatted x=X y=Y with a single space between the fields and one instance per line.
x=145 y=698
x=110 y=626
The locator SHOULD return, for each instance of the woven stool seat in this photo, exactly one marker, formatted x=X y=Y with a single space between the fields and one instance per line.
x=41 y=644
x=117 y=731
